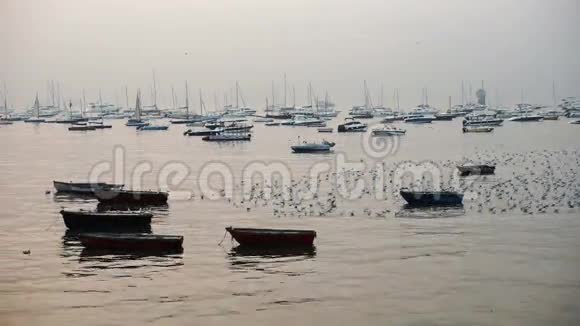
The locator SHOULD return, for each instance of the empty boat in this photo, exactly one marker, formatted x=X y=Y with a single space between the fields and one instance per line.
x=432 y=198
x=132 y=197
x=141 y=242
x=272 y=238
x=109 y=221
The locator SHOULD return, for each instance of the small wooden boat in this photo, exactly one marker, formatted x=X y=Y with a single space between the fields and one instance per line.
x=327 y=129
x=272 y=238
x=131 y=197
x=432 y=198
x=140 y=242
x=476 y=169
x=111 y=220
x=477 y=129
x=84 y=187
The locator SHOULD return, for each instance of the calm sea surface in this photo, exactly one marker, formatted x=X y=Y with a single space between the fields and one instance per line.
x=511 y=257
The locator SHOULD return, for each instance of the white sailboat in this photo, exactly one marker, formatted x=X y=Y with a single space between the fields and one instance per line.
x=36 y=118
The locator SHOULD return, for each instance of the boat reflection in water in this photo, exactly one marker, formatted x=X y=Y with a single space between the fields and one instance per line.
x=86 y=263
x=426 y=212
x=271 y=261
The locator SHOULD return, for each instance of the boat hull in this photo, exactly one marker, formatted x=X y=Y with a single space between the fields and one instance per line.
x=84 y=188
x=476 y=170
x=126 y=197
x=272 y=238
x=436 y=198
x=107 y=221
x=132 y=242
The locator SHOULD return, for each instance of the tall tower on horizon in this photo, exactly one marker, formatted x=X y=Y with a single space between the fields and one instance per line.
x=481 y=95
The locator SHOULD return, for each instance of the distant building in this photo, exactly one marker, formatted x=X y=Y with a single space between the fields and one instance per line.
x=480 y=95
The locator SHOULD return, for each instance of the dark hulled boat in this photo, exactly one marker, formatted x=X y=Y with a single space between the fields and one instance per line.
x=139 y=242
x=201 y=132
x=478 y=169
x=106 y=221
x=272 y=238
x=432 y=198
x=131 y=197
x=85 y=188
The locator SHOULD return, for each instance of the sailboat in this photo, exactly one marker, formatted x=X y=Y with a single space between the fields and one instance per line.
x=137 y=121
x=36 y=118
x=188 y=118
x=5 y=120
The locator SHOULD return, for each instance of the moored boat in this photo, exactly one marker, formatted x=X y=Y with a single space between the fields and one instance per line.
x=388 y=131
x=87 y=188
x=228 y=137
x=352 y=125
x=272 y=238
x=152 y=128
x=140 y=242
x=306 y=147
x=132 y=197
x=476 y=169
x=110 y=221
x=574 y=122
x=477 y=129
x=432 y=198
x=325 y=129
x=81 y=128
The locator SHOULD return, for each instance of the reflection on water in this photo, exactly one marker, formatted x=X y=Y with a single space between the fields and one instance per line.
x=430 y=212
x=270 y=261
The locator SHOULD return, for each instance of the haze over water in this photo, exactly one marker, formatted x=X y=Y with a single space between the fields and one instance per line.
x=509 y=256
x=409 y=45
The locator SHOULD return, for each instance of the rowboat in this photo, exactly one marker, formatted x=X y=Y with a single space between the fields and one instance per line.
x=152 y=128
x=476 y=169
x=272 y=238
x=140 y=242
x=111 y=220
x=84 y=187
x=129 y=197
x=325 y=129
x=432 y=198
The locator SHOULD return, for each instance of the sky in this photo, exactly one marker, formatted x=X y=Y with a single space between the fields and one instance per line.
x=518 y=47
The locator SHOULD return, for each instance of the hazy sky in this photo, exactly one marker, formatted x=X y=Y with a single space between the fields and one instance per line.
x=408 y=44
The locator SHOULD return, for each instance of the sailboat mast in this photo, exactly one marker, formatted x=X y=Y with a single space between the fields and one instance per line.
x=237 y=95
x=37 y=107
x=462 y=94
x=186 y=101
x=553 y=93
x=293 y=96
x=154 y=91
x=200 y=103
x=173 y=97
x=273 y=95
x=284 y=89
x=84 y=103
x=127 y=96
x=5 y=101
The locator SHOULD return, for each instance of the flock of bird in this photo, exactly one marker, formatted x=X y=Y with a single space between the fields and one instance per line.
x=533 y=182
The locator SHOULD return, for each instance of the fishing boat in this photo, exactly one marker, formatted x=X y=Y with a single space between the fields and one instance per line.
x=477 y=129
x=221 y=137
x=110 y=220
x=352 y=125
x=87 y=188
x=431 y=198
x=36 y=118
x=307 y=147
x=272 y=238
x=132 y=197
x=152 y=128
x=476 y=169
x=326 y=129
x=388 y=131
x=140 y=242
